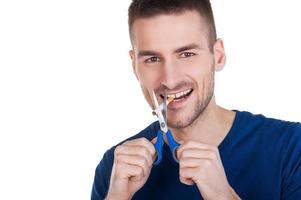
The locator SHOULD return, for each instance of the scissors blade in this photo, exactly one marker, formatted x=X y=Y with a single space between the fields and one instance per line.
x=155 y=100
x=161 y=114
x=164 y=110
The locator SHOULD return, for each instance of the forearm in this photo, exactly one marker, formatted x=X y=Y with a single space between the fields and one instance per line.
x=109 y=197
x=234 y=194
x=112 y=196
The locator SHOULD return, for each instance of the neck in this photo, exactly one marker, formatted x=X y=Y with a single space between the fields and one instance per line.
x=210 y=127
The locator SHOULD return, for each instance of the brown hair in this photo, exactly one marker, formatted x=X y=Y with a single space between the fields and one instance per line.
x=151 y=8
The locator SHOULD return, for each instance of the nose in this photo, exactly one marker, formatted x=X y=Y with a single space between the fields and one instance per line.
x=170 y=74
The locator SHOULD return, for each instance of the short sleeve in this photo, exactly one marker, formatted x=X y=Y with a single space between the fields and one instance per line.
x=102 y=176
x=291 y=189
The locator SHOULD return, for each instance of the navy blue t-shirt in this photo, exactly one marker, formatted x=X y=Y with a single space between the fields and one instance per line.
x=261 y=157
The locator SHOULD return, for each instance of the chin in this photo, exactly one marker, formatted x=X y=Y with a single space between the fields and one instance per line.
x=180 y=123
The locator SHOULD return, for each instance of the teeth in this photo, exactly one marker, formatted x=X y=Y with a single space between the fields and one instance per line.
x=171 y=96
x=179 y=94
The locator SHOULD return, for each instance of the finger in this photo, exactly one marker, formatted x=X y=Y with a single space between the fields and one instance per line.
x=134 y=150
x=181 y=142
x=142 y=142
x=195 y=163
x=211 y=156
x=195 y=145
x=199 y=158
x=127 y=171
x=188 y=175
x=134 y=160
x=197 y=153
x=187 y=181
x=154 y=140
x=198 y=145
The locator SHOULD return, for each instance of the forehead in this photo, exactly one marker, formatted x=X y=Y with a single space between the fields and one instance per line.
x=169 y=30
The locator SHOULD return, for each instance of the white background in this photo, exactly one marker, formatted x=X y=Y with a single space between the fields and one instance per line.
x=67 y=92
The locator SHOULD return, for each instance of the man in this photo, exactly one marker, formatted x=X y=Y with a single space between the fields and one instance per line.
x=223 y=154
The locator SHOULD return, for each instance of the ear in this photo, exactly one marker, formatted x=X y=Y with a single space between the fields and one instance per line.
x=219 y=55
x=133 y=58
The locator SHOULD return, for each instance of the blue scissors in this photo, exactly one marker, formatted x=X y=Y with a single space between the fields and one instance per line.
x=161 y=112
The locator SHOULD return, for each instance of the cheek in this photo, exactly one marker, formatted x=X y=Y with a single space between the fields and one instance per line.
x=201 y=73
x=201 y=64
x=147 y=77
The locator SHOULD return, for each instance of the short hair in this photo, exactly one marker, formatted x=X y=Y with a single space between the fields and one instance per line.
x=151 y=8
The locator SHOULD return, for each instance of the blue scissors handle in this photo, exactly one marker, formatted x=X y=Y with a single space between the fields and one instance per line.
x=173 y=145
x=159 y=146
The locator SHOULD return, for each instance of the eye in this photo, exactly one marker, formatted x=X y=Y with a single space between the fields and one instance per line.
x=152 y=59
x=187 y=54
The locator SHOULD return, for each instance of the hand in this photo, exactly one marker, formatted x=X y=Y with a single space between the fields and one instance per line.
x=200 y=164
x=133 y=161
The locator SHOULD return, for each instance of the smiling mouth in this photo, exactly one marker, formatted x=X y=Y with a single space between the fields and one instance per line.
x=179 y=95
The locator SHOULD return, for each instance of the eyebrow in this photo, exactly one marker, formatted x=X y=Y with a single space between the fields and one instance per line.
x=187 y=47
x=178 y=50
x=147 y=53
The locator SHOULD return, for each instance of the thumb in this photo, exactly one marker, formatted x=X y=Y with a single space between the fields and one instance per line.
x=186 y=181
x=154 y=140
x=181 y=142
x=177 y=149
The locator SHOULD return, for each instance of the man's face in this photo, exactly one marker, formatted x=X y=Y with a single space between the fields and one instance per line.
x=171 y=55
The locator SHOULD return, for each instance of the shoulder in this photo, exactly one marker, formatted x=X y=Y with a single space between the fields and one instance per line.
x=270 y=134
x=276 y=145
x=267 y=125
